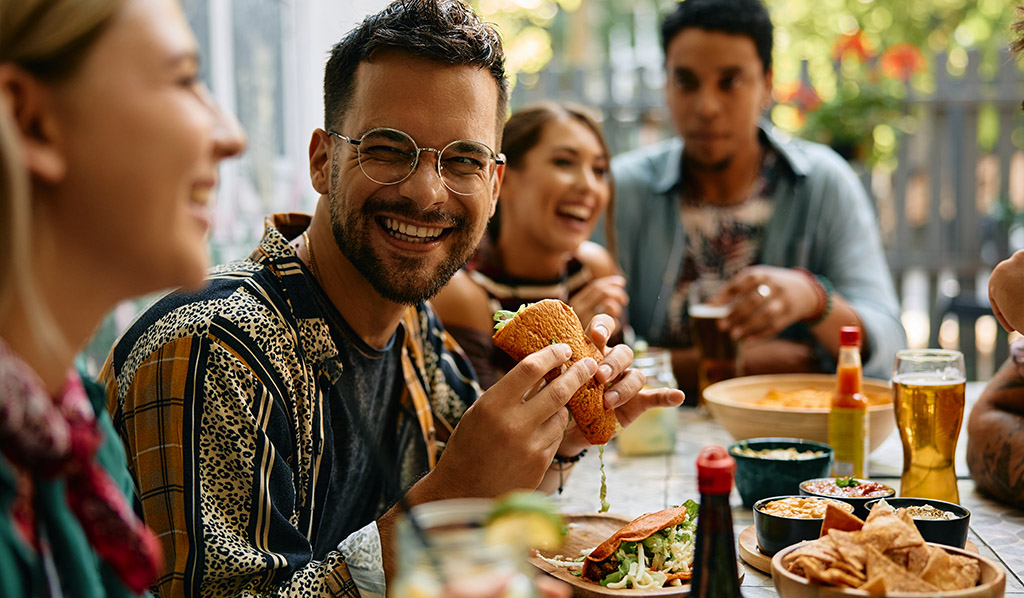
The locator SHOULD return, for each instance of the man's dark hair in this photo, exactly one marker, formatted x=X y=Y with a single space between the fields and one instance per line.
x=447 y=31
x=738 y=17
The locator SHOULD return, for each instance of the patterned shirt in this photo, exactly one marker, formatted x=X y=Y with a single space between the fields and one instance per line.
x=721 y=240
x=222 y=400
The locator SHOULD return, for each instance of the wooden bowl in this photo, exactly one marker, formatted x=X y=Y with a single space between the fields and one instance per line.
x=790 y=585
x=732 y=404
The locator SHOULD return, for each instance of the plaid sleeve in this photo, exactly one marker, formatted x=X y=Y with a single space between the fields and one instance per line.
x=207 y=435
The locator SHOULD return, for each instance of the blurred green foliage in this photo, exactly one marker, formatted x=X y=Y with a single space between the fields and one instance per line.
x=856 y=91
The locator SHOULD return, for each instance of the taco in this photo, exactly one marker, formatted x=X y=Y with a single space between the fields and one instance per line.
x=651 y=551
x=551 y=321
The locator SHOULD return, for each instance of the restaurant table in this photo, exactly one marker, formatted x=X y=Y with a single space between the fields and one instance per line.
x=638 y=485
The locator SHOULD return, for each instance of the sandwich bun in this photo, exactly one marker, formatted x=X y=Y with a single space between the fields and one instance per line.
x=548 y=322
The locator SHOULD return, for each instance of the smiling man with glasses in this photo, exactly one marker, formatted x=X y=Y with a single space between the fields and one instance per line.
x=274 y=419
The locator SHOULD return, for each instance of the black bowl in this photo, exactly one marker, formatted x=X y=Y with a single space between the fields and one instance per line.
x=775 y=532
x=860 y=508
x=758 y=477
x=951 y=532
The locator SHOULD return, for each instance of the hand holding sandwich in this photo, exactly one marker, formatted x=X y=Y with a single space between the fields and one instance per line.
x=508 y=438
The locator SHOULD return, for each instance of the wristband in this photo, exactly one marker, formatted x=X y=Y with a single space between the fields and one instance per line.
x=563 y=464
x=824 y=288
x=560 y=460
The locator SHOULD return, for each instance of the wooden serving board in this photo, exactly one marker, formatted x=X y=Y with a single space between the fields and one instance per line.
x=751 y=554
x=587 y=530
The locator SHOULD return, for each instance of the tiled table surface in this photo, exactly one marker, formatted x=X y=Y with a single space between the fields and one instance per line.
x=638 y=485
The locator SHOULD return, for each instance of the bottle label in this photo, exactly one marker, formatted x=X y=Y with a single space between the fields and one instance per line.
x=848 y=435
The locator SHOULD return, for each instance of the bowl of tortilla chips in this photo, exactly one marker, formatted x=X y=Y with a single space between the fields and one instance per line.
x=792 y=406
x=883 y=555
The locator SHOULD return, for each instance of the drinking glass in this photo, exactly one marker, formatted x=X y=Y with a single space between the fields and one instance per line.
x=451 y=556
x=717 y=350
x=929 y=386
x=654 y=431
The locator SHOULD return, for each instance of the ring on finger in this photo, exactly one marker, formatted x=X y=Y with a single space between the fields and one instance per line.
x=764 y=290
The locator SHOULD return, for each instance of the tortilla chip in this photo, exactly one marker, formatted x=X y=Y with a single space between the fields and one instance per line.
x=900 y=556
x=911 y=533
x=938 y=571
x=822 y=549
x=895 y=532
x=812 y=568
x=850 y=549
x=895 y=577
x=951 y=571
x=918 y=558
x=836 y=518
x=875 y=585
x=839 y=577
x=879 y=536
x=881 y=509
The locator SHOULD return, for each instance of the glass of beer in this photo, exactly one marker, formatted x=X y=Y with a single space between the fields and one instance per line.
x=929 y=387
x=717 y=350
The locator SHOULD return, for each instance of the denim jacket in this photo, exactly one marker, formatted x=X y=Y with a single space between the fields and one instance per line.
x=822 y=221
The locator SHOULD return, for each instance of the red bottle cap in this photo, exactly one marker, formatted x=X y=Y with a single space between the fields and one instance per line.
x=849 y=335
x=715 y=470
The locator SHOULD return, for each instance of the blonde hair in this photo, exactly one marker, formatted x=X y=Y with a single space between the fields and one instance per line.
x=48 y=39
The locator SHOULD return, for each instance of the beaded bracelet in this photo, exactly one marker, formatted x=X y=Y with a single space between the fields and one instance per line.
x=563 y=464
x=824 y=289
x=560 y=460
x=829 y=291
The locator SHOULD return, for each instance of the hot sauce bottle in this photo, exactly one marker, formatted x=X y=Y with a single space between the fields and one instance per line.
x=714 y=560
x=847 y=418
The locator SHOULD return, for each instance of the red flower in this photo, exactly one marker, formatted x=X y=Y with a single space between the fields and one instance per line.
x=855 y=43
x=902 y=61
x=800 y=94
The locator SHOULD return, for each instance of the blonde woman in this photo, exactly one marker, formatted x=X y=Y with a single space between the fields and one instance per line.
x=109 y=147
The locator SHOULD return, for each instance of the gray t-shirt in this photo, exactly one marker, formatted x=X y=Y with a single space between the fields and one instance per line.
x=362 y=412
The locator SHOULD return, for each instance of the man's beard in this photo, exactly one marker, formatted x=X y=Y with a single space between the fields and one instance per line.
x=400 y=279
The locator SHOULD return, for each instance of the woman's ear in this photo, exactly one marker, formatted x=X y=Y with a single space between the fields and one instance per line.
x=30 y=103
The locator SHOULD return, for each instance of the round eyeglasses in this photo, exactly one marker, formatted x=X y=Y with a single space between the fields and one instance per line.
x=389 y=156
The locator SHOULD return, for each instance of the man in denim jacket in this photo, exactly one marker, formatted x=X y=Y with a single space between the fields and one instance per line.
x=784 y=222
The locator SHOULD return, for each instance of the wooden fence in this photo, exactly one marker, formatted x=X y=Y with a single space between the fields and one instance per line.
x=948 y=211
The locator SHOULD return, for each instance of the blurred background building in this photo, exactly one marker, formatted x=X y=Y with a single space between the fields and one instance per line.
x=922 y=97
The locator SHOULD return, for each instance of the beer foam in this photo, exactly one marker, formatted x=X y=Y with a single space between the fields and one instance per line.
x=704 y=310
x=930 y=378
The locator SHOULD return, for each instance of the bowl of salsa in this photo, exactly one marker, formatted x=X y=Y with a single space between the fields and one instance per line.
x=855 y=491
